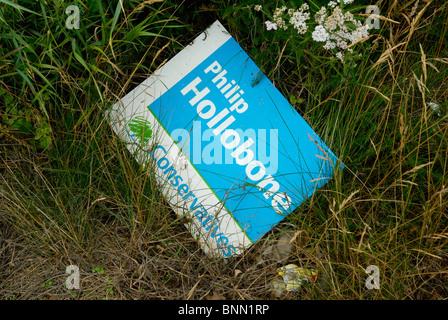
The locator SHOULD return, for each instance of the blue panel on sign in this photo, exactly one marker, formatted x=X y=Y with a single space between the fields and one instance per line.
x=257 y=154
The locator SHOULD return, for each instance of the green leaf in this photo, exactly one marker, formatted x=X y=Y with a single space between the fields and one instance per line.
x=19 y=7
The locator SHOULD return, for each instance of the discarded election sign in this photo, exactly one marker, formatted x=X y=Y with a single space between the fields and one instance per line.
x=228 y=149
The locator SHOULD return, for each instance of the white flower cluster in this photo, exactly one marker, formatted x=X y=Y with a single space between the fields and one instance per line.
x=278 y=17
x=270 y=25
x=299 y=17
x=296 y=18
x=435 y=107
x=320 y=34
x=332 y=29
x=335 y=3
x=335 y=28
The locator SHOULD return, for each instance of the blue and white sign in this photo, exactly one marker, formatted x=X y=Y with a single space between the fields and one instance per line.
x=228 y=149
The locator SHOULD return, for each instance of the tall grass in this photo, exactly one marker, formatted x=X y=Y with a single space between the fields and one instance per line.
x=69 y=188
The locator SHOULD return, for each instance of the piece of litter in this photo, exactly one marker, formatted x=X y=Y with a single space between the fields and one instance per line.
x=277 y=250
x=293 y=276
x=278 y=287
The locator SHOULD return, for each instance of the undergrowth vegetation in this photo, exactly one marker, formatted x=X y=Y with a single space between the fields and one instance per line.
x=71 y=194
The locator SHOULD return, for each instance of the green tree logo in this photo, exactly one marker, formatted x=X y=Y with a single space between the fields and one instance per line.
x=141 y=128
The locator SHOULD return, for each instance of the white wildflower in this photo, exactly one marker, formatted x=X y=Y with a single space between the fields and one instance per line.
x=349 y=16
x=298 y=20
x=340 y=56
x=281 y=23
x=435 y=107
x=329 y=45
x=279 y=11
x=346 y=1
x=278 y=19
x=270 y=25
x=257 y=7
x=359 y=33
x=320 y=34
x=321 y=15
x=302 y=29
